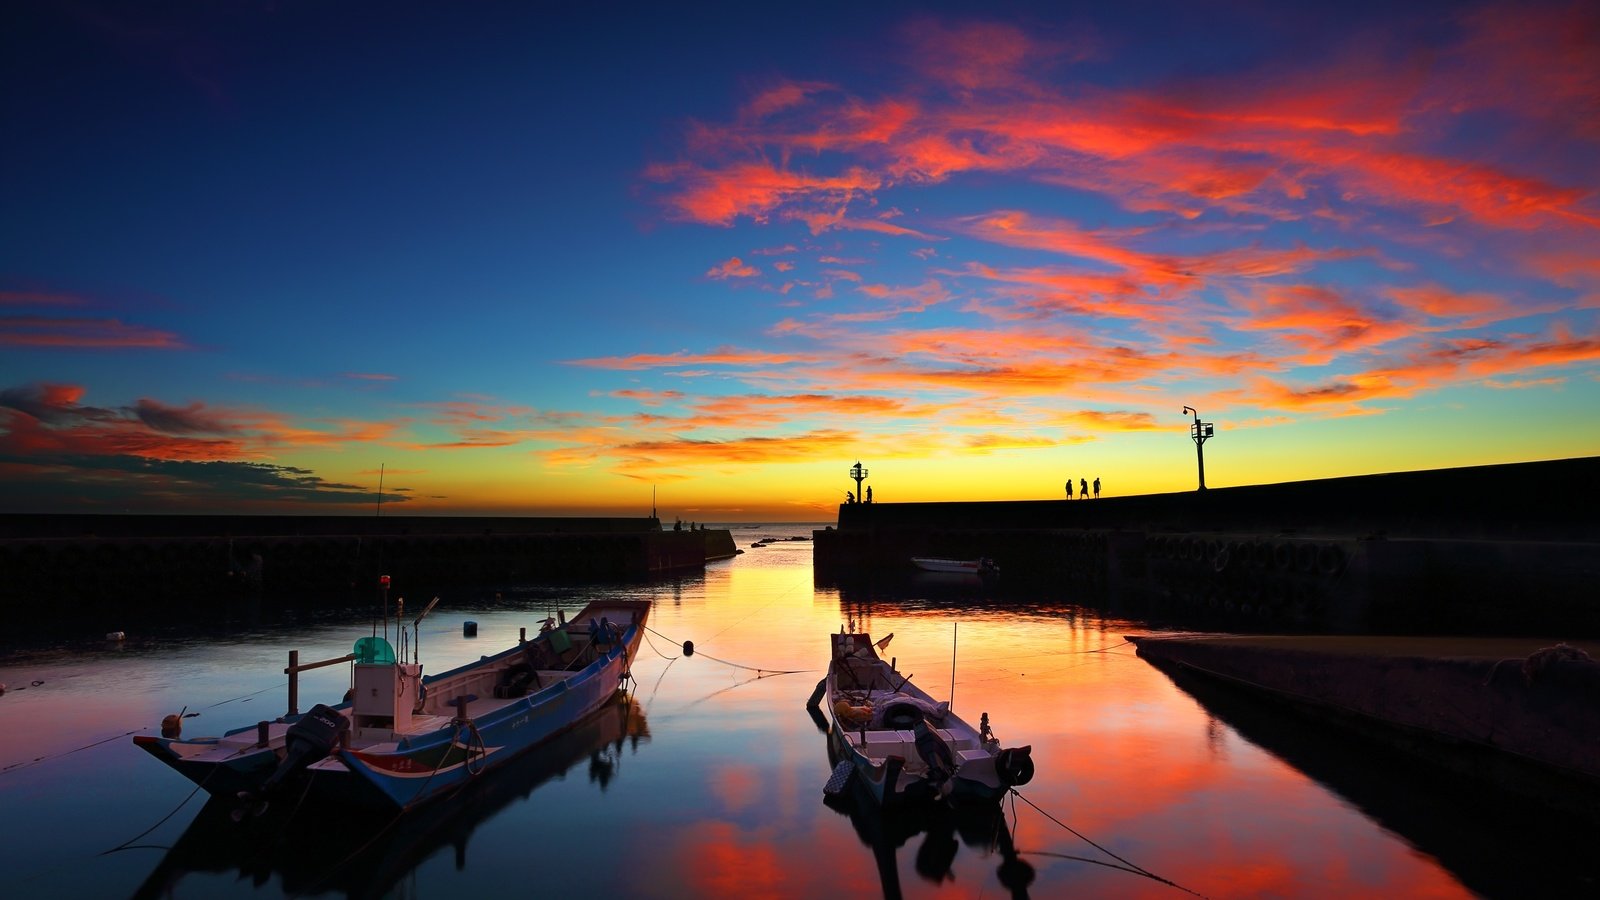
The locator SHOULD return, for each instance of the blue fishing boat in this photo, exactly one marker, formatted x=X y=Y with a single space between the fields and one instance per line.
x=401 y=738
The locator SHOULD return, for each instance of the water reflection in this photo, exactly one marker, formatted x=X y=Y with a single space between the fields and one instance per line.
x=362 y=855
x=981 y=827
x=1459 y=822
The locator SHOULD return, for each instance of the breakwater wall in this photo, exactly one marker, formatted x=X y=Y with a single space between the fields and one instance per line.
x=56 y=566
x=1512 y=548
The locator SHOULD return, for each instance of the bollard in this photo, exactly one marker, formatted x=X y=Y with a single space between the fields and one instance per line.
x=261 y=733
x=294 y=682
x=469 y=628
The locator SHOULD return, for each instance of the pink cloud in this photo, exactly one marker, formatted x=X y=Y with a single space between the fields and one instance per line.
x=732 y=268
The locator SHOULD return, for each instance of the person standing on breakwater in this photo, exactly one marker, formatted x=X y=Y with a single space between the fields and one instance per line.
x=869 y=493
x=1097 y=488
x=1083 y=488
x=1069 y=488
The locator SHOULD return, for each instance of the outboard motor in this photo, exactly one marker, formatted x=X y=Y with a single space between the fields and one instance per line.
x=307 y=741
x=1014 y=765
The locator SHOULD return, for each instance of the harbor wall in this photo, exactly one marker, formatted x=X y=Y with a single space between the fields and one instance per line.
x=1483 y=548
x=54 y=567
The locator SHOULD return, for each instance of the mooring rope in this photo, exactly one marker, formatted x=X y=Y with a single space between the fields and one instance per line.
x=655 y=648
x=1127 y=866
x=659 y=679
x=129 y=843
x=50 y=756
x=735 y=665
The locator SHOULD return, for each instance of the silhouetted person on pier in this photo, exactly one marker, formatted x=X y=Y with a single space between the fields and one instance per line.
x=1083 y=488
x=1097 y=489
x=851 y=497
x=869 y=493
x=1069 y=488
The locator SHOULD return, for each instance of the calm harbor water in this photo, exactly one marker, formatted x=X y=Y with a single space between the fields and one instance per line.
x=707 y=780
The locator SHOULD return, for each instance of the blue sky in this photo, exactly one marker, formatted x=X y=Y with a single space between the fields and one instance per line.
x=527 y=262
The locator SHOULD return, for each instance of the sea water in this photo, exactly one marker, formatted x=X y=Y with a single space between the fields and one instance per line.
x=1144 y=786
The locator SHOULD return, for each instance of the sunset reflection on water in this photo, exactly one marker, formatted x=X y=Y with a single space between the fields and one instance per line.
x=725 y=799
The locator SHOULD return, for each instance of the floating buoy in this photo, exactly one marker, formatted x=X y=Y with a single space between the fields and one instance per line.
x=2 y=689
x=172 y=725
x=115 y=636
x=688 y=648
x=469 y=628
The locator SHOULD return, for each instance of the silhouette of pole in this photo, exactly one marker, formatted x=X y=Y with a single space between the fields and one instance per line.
x=1199 y=431
x=860 y=475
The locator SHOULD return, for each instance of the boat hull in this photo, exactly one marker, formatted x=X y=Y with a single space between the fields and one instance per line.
x=980 y=567
x=904 y=748
x=421 y=770
x=443 y=751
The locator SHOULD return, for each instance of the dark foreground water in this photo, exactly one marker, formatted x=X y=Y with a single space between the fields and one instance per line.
x=707 y=781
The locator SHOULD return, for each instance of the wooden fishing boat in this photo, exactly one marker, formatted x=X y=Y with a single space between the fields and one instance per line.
x=401 y=738
x=900 y=744
x=980 y=566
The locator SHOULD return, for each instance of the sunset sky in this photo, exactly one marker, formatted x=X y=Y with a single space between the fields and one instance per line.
x=530 y=260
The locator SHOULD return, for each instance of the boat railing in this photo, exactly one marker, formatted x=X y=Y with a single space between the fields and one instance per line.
x=294 y=669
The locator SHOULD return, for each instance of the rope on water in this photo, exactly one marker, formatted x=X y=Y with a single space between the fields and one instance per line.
x=39 y=759
x=659 y=679
x=1127 y=866
x=735 y=665
x=274 y=687
x=50 y=756
x=658 y=651
x=129 y=843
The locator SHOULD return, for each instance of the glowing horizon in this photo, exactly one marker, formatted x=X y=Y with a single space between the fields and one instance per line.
x=556 y=268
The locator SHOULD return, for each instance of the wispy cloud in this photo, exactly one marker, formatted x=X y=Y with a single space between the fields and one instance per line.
x=83 y=334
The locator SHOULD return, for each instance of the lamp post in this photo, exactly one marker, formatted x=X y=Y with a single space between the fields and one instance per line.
x=1199 y=431
x=860 y=475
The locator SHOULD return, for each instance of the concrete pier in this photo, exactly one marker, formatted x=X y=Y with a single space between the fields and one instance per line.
x=1518 y=712
x=1508 y=549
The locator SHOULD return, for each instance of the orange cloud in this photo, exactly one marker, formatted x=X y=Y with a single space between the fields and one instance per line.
x=1523 y=383
x=743 y=451
x=1431 y=367
x=1276 y=141
x=650 y=398
x=1320 y=320
x=754 y=189
x=720 y=357
x=732 y=268
x=1114 y=420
